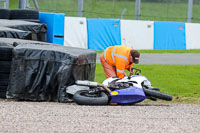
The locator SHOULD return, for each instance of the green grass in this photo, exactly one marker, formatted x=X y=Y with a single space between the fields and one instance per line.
x=180 y=81
x=195 y=51
x=13 y=4
x=164 y=11
x=155 y=11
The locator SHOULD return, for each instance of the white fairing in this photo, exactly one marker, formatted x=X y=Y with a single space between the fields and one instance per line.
x=136 y=80
x=109 y=80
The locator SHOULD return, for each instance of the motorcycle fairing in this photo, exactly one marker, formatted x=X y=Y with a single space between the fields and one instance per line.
x=128 y=95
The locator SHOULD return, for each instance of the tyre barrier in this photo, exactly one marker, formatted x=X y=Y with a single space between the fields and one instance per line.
x=24 y=14
x=24 y=20
x=5 y=53
x=4 y=14
x=21 y=14
x=3 y=90
x=5 y=65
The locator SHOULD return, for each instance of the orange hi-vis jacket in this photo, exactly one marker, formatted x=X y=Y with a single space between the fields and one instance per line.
x=118 y=56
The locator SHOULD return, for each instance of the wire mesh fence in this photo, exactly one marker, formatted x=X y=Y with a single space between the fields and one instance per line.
x=1 y=5
x=155 y=10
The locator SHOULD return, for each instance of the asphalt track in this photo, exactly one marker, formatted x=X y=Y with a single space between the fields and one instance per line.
x=169 y=58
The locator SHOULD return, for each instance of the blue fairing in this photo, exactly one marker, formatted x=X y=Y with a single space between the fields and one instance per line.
x=129 y=95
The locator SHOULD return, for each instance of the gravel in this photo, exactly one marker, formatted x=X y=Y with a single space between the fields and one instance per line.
x=32 y=117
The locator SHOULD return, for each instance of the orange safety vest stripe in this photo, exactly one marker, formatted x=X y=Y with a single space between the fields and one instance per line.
x=118 y=56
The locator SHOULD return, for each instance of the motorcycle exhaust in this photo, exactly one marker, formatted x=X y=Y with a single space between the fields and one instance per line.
x=87 y=83
x=91 y=84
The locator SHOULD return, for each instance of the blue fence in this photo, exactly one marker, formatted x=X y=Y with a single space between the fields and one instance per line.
x=169 y=35
x=55 y=26
x=103 y=33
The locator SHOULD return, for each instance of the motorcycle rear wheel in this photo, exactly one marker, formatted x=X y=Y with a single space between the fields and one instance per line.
x=83 y=97
x=157 y=94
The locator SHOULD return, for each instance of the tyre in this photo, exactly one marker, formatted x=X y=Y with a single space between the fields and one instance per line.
x=4 y=14
x=4 y=76
x=157 y=94
x=155 y=89
x=4 y=82
x=6 y=53
x=5 y=66
x=4 y=79
x=3 y=90
x=83 y=97
x=31 y=20
x=24 y=14
x=41 y=37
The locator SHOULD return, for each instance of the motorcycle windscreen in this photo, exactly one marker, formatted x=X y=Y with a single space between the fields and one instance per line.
x=128 y=95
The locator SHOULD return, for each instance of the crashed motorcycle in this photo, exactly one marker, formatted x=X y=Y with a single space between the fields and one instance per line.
x=129 y=90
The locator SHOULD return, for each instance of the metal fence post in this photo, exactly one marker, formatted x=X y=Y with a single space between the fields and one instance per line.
x=6 y=4
x=123 y=12
x=137 y=9
x=190 y=4
x=22 y=4
x=35 y=2
x=80 y=8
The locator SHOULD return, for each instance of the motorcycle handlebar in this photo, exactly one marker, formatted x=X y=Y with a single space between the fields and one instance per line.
x=137 y=71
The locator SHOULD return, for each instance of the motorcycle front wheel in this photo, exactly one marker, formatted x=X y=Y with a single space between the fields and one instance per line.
x=157 y=94
x=83 y=97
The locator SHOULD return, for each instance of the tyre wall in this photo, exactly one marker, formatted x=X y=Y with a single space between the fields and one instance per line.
x=5 y=65
x=38 y=71
x=24 y=20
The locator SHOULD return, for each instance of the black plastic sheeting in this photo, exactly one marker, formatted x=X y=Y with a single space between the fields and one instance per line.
x=42 y=71
x=13 y=33
x=38 y=30
x=11 y=41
